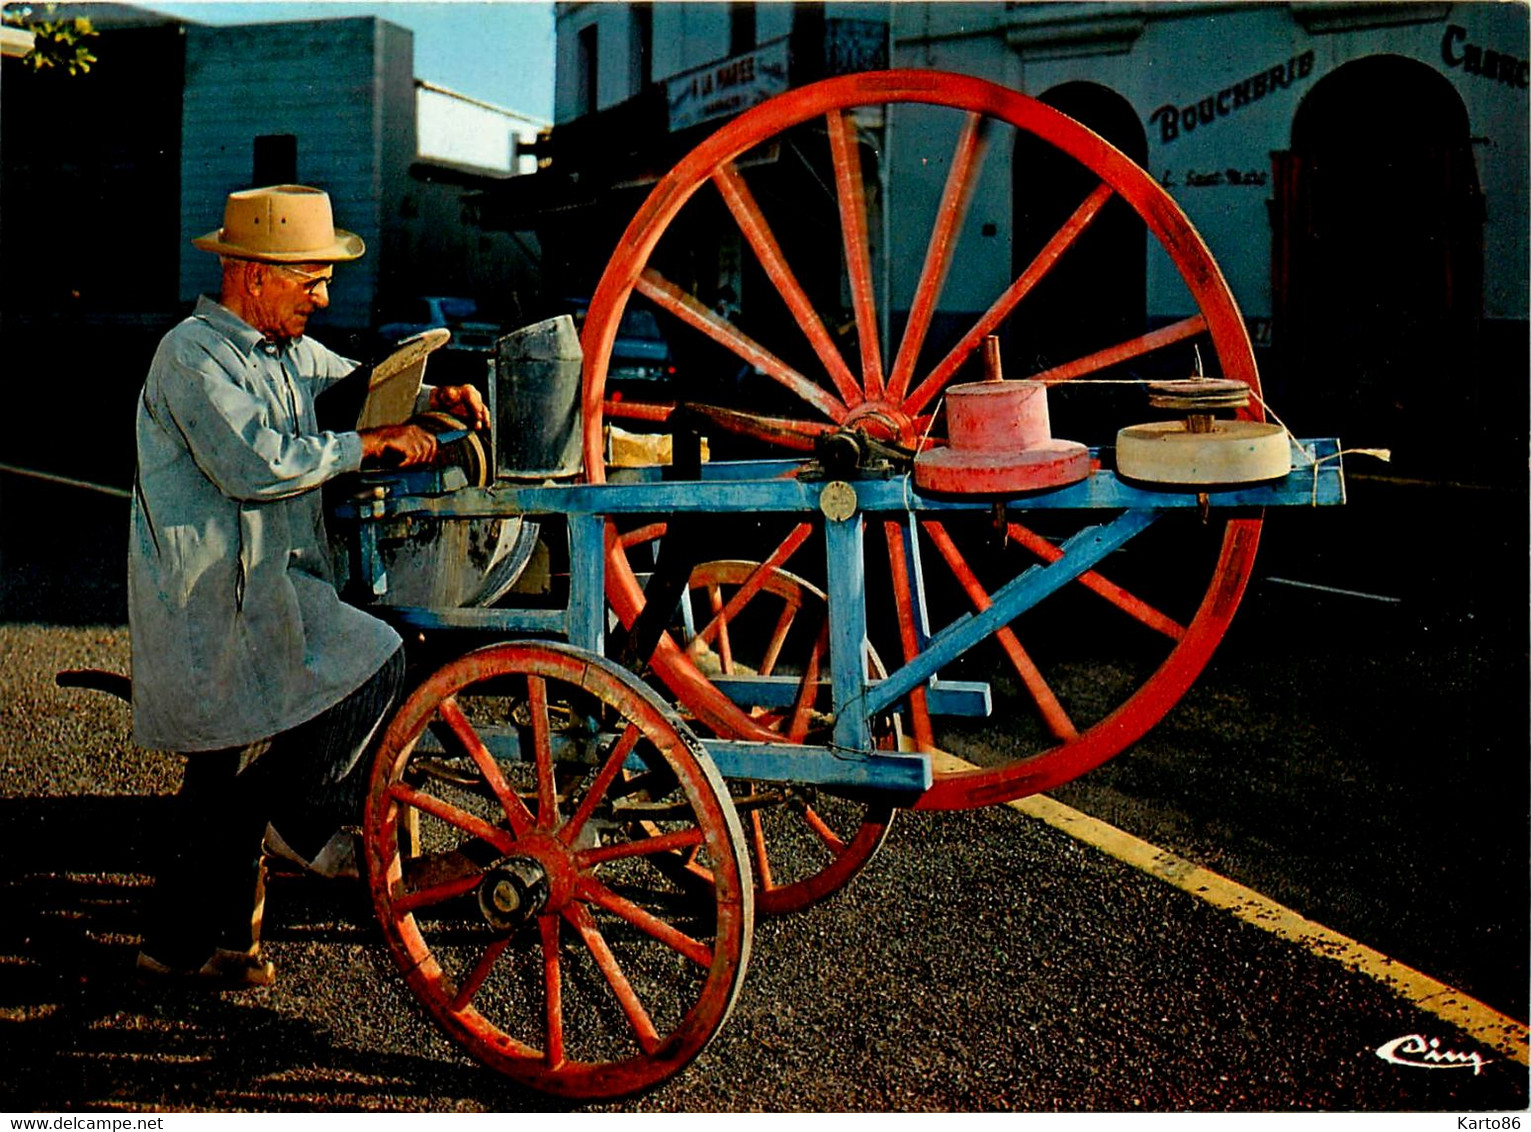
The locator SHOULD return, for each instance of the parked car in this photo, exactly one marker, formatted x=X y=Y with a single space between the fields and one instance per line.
x=470 y=331
x=642 y=363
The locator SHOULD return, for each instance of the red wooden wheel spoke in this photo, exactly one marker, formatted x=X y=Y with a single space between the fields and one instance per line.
x=542 y=745
x=757 y=579
x=778 y=638
x=719 y=628
x=1125 y=351
x=479 y=973
x=602 y=782
x=637 y=1017
x=552 y=990
x=504 y=996
x=851 y=193
x=410 y=902
x=761 y=857
x=652 y=412
x=640 y=535
x=1053 y=714
x=1129 y=604
x=829 y=837
x=955 y=198
x=521 y=820
x=741 y=202
x=1041 y=264
x=796 y=871
x=672 y=937
x=642 y=847
x=807 y=689
x=470 y=824
x=924 y=736
x=783 y=432
x=685 y=307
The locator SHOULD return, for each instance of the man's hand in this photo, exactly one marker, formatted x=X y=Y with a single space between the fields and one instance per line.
x=397 y=446
x=463 y=402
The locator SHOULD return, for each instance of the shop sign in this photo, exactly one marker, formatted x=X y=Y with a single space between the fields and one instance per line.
x=1175 y=120
x=730 y=87
x=1209 y=178
x=1478 y=60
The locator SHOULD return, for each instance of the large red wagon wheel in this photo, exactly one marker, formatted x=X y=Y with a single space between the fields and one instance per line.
x=524 y=898
x=1169 y=596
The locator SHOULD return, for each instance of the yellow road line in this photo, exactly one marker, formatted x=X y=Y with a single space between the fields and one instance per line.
x=1483 y=1022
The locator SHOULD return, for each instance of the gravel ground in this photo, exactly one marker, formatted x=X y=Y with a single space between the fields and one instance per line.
x=983 y=963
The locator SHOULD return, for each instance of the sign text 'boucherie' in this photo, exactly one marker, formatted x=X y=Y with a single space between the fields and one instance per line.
x=1175 y=120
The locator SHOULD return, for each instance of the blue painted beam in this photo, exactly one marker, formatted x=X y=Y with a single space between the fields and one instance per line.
x=776 y=693
x=1311 y=484
x=1080 y=553
x=536 y=622
x=821 y=766
x=765 y=762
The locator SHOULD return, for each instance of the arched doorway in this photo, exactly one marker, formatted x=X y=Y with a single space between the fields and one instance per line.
x=1378 y=266
x=1095 y=295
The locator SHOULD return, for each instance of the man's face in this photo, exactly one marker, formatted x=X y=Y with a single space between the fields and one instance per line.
x=288 y=296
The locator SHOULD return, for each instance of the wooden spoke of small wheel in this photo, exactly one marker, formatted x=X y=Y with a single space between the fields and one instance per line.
x=896 y=401
x=516 y=990
x=758 y=578
x=802 y=849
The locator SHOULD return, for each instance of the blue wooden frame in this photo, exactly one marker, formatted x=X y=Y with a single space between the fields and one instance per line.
x=850 y=761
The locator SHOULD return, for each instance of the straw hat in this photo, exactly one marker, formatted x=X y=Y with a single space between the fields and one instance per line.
x=281 y=224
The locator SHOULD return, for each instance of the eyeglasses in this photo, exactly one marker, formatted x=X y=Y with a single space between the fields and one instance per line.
x=312 y=280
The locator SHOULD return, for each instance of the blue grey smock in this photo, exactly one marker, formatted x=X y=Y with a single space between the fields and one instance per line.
x=238 y=632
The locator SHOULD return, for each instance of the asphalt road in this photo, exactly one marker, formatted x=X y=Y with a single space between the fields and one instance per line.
x=1363 y=761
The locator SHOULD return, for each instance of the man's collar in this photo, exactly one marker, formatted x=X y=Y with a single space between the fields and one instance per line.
x=244 y=336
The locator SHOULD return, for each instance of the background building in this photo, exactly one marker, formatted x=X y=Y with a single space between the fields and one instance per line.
x=105 y=178
x=639 y=84
x=1359 y=171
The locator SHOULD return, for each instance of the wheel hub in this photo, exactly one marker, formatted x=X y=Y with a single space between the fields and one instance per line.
x=882 y=421
x=513 y=893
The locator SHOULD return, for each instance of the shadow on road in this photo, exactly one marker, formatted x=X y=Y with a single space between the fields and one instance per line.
x=78 y=1029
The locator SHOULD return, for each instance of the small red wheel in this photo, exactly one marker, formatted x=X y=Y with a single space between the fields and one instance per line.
x=747 y=618
x=533 y=923
x=795 y=175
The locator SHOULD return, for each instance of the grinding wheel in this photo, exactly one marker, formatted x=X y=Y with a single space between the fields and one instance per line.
x=999 y=442
x=466 y=452
x=1168 y=452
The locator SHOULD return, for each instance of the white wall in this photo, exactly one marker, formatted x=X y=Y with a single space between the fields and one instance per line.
x=321 y=81
x=464 y=131
x=1178 y=55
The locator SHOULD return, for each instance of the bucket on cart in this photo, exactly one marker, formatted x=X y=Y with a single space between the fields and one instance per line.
x=537 y=395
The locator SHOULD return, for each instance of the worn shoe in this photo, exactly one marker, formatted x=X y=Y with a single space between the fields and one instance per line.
x=224 y=969
x=338 y=859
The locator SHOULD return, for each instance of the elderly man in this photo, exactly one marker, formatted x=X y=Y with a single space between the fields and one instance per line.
x=244 y=656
